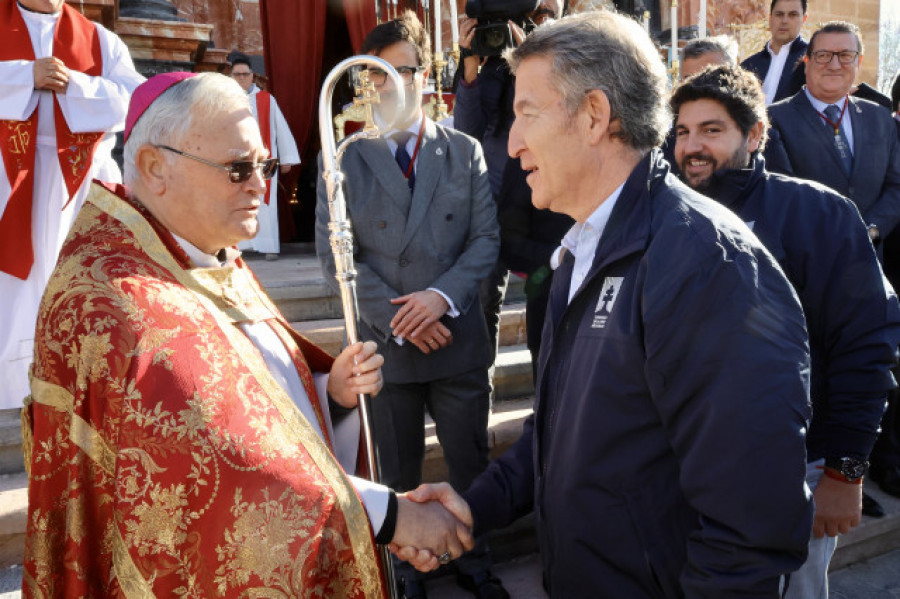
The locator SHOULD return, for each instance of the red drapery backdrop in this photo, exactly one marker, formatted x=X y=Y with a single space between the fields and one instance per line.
x=293 y=41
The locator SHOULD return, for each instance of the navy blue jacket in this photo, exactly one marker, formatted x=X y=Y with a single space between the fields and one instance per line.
x=793 y=77
x=852 y=316
x=666 y=455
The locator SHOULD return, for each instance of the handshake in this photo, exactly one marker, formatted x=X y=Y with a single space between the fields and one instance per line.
x=434 y=526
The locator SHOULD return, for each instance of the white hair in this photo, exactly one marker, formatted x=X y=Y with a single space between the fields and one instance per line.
x=171 y=115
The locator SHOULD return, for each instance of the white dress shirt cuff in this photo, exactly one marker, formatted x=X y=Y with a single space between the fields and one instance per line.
x=375 y=499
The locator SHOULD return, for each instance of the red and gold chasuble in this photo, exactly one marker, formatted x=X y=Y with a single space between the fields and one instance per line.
x=76 y=43
x=164 y=458
x=263 y=109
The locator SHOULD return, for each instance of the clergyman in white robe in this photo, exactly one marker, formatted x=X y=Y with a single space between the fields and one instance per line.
x=284 y=148
x=90 y=104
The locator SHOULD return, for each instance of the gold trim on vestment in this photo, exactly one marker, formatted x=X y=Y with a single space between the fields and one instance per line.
x=81 y=433
x=130 y=580
x=231 y=296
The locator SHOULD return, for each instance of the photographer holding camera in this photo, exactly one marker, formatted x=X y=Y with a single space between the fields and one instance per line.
x=484 y=110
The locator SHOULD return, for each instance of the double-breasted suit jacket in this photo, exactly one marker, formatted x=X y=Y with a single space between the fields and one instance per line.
x=444 y=236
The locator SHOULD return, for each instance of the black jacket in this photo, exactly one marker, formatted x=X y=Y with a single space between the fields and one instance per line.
x=666 y=456
x=853 y=318
x=793 y=77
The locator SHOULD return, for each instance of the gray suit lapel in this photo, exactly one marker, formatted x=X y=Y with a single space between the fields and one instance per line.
x=810 y=115
x=376 y=154
x=429 y=164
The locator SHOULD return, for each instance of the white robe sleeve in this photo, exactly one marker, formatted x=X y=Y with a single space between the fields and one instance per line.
x=18 y=98
x=284 y=140
x=101 y=103
x=375 y=497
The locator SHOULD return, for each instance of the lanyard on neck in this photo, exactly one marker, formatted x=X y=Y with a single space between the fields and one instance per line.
x=412 y=161
x=837 y=125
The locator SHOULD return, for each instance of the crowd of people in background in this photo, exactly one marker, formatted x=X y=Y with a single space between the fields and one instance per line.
x=710 y=268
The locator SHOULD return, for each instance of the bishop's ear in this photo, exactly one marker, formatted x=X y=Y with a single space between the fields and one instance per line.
x=150 y=164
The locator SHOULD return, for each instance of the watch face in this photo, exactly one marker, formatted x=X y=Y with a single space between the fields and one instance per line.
x=854 y=469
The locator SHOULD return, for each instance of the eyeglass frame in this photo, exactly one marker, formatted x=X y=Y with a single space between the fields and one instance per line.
x=411 y=70
x=832 y=53
x=234 y=174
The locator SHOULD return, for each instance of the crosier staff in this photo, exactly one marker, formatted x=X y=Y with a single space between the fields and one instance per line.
x=341 y=234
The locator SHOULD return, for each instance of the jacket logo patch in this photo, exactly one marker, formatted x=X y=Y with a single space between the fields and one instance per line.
x=608 y=295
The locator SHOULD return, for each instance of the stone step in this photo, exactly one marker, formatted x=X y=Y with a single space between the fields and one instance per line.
x=512 y=375
x=297 y=286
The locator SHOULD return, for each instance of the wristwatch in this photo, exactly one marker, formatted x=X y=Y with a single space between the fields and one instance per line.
x=874 y=234
x=850 y=468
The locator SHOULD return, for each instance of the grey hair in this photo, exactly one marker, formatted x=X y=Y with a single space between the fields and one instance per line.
x=605 y=51
x=719 y=44
x=171 y=115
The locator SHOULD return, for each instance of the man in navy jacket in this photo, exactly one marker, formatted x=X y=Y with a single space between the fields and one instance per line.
x=820 y=241
x=779 y=65
x=665 y=456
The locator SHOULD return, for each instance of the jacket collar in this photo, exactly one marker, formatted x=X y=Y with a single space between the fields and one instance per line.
x=731 y=187
x=628 y=229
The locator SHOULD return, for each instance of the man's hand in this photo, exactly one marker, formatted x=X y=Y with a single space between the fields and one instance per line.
x=472 y=61
x=426 y=530
x=51 y=74
x=449 y=498
x=838 y=507
x=435 y=337
x=518 y=33
x=418 y=310
x=356 y=370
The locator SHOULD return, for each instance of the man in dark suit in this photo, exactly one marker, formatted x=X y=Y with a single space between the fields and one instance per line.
x=850 y=145
x=855 y=150
x=779 y=66
x=425 y=234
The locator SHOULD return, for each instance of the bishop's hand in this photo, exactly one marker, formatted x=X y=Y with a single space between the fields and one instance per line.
x=426 y=530
x=356 y=370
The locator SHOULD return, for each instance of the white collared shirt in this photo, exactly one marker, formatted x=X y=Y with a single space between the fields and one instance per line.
x=846 y=124
x=583 y=238
x=414 y=128
x=375 y=497
x=776 y=68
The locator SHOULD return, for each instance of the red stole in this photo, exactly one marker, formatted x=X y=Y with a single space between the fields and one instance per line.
x=76 y=43
x=263 y=103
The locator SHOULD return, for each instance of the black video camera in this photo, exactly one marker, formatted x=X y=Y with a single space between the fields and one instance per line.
x=492 y=34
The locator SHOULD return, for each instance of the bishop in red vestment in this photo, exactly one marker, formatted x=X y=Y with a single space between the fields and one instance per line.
x=178 y=439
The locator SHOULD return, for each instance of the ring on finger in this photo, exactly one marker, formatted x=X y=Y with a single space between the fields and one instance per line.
x=445 y=558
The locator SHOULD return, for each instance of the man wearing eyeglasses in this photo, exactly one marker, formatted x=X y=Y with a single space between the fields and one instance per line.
x=851 y=145
x=279 y=141
x=181 y=437
x=425 y=234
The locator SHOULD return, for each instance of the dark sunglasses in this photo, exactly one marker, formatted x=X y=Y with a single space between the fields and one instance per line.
x=239 y=170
